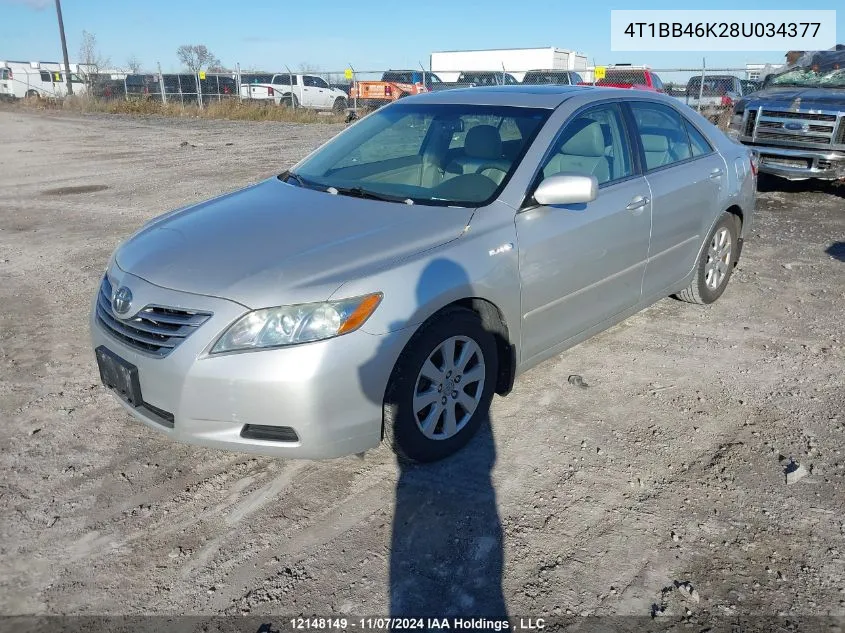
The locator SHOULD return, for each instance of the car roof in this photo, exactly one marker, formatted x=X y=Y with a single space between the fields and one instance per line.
x=526 y=95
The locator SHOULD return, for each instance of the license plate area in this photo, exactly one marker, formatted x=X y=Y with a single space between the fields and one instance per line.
x=119 y=376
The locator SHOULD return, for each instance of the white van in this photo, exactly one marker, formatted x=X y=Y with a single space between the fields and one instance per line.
x=38 y=79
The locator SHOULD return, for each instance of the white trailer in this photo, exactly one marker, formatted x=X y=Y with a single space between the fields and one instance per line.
x=39 y=79
x=516 y=61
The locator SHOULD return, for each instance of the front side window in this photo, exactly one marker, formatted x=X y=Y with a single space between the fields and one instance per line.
x=435 y=154
x=662 y=134
x=592 y=144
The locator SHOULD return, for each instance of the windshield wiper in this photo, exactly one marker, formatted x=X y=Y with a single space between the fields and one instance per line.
x=288 y=175
x=365 y=193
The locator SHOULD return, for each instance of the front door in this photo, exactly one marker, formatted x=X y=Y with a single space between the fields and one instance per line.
x=582 y=264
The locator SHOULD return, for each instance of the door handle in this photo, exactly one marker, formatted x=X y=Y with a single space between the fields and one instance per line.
x=637 y=203
x=716 y=173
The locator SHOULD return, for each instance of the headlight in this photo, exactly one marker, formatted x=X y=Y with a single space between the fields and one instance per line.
x=289 y=325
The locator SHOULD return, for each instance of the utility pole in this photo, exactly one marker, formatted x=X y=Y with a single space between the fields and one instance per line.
x=64 y=47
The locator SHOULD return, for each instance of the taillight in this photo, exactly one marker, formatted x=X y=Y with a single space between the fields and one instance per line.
x=388 y=91
x=270 y=92
x=754 y=163
x=11 y=74
x=727 y=102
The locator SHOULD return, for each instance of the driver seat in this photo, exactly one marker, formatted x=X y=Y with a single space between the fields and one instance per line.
x=482 y=146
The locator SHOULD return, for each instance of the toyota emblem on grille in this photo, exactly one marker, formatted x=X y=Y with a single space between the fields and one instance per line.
x=122 y=300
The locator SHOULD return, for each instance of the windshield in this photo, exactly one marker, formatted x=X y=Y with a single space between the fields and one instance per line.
x=435 y=154
x=819 y=78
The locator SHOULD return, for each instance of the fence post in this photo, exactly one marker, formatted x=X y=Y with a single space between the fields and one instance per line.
x=238 y=81
x=161 y=83
x=179 y=84
x=125 y=89
x=701 y=87
x=290 y=79
x=355 y=88
x=199 y=90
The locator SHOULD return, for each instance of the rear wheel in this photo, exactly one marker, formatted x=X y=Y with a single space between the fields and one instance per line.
x=440 y=390
x=289 y=101
x=715 y=264
x=33 y=94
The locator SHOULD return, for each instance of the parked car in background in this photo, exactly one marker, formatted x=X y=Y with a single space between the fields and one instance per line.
x=255 y=86
x=749 y=86
x=181 y=88
x=298 y=91
x=486 y=78
x=218 y=86
x=104 y=87
x=395 y=279
x=394 y=85
x=555 y=77
x=631 y=78
x=40 y=80
x=714 y=95
x=797 y=123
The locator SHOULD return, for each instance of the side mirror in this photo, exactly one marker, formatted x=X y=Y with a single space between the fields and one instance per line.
x=567 y=189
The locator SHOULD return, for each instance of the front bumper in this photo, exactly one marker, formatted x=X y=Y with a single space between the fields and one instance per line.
x=329 y=392
x=800 y=164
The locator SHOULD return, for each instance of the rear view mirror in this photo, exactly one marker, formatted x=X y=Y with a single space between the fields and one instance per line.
x=566 y=189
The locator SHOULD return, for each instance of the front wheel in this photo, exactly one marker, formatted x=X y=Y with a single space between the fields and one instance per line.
x=339 y=106
x=715 y=263
x=440 y=390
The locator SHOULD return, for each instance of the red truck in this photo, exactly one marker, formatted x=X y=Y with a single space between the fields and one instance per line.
x=631 y=78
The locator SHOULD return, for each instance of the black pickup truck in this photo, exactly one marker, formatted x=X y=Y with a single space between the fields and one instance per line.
x=796 y=124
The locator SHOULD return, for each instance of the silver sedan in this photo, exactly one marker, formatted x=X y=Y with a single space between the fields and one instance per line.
x=388 y=285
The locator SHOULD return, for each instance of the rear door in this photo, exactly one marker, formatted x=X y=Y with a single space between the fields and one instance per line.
x=686 y=185
x=311 y=96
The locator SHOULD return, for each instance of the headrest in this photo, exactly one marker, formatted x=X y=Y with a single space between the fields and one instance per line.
x=655 y=143
x=483 y=141
x=589 y=141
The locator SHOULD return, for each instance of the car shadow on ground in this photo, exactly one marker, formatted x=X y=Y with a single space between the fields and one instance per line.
x=766 y=184
x=446 y=555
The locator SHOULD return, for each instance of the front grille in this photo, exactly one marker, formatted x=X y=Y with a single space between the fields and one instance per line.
x=807 y=116
x=749 y=123
x=840 y=138
x=765 y=135
x=156 y=330
x=773 y=126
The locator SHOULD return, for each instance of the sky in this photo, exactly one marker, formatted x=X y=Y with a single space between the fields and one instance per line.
x=330 y=35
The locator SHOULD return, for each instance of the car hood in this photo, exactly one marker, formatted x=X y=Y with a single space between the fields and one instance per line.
x=275 y=243
x=800 y=98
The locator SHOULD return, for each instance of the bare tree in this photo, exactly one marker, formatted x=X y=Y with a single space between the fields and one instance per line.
x=134 y=65
x=90 y=57
x=195 y=57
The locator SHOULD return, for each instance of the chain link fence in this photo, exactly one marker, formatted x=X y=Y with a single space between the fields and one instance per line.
x=712 y=92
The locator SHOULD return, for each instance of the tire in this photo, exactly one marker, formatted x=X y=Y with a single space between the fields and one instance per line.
x=721 y=246
x=403 y=427
x=33 y=93
x=288 y=101
x=339 y=106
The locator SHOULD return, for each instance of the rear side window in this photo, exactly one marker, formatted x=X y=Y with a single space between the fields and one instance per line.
x=288 y=80
x=698 y=144
x=662 y=132
x=45 y=76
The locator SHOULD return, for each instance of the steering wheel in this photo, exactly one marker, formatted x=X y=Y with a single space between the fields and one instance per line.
x=490 y=166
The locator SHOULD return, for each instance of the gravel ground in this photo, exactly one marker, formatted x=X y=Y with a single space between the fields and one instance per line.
x=668 y=468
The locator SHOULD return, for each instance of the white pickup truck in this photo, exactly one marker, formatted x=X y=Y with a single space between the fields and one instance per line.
x=299 y=91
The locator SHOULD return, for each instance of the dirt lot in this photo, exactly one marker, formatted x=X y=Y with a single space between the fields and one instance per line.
x=666 y=469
